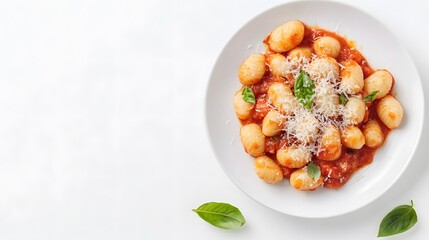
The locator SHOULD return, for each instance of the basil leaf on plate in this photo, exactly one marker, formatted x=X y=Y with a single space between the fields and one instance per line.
x=248 y=95
x=370 y=97
x=304 y=90
x=399 y=220
x=313 y=171
x=221 y=215
x=343 y=99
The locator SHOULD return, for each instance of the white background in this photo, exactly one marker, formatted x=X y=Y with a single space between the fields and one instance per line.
x=102 y=132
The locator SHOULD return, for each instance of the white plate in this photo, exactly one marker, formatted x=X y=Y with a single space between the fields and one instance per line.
x=381 y=49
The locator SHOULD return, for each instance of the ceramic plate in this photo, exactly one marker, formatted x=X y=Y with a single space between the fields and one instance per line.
x=382 y=50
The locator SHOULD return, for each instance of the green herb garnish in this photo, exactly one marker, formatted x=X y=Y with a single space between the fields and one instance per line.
x=399 y=220
x=221 y=215
x=304 y=90
x=313 y=171
x=248 y=95
x=370 y=97
x=343 y=99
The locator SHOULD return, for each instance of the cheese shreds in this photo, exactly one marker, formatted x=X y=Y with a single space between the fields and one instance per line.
x=303 y=126
x=295 y=64
x=325 y=99
x=301 y=153
x=304 y=129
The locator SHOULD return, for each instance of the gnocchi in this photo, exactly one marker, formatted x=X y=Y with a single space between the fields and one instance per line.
x=300 y=180
x=293 y=157
x=390 y=111
x=326 y=99
x=312 y=104
x=242 y=109
x=282 y=98
x=373 y=134
x=330 y=144
x=252 y=69
x=300 y=52
x=277 y=64
x=352 y=137
x=268 y=170
x=325 y=67
x=351 y=77
x=286 y=36
x=272 y=123
x=253 y=139
x=355 y=110
x=327 y=46
x=380 y=80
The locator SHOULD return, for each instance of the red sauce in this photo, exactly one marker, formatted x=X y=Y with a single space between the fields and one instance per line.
x=272 y=144
x=338 y=172
x=335 y=173
x=262 y=107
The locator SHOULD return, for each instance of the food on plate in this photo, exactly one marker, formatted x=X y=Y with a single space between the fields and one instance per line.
x=328 y=46
x=293 y=157
x=253 y=139
x=352 y=137
x=268 y=170
x=311 y=108
x=286 y=36
x=252 y=69
x=272 y=123
x=380 y=80
x=355 y=110
x=243 y=109
x=390 y=111
x=300 y=180
x=373 y=134
x=351 y=77
x=330 y=144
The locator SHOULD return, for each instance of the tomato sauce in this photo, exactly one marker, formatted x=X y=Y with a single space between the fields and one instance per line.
x=335 y=173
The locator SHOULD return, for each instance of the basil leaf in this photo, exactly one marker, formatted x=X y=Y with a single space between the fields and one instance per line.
x=248 y=95
x=313 y=171
x=370 y=97
x=399 y=220
x=343 y=99
x=304 y=90
x=221 y=215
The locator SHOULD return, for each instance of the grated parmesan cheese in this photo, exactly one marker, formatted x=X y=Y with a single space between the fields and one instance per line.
x=303 y=129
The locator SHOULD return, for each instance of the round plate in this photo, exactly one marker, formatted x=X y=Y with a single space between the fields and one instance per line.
x=381 y=49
